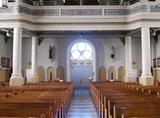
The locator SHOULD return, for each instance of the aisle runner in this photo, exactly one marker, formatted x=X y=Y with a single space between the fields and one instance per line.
x=82 y=105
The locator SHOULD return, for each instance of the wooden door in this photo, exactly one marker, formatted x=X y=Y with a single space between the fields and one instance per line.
x=80 y=76
x=102 y=73
x=60 y=73
x=121 y=73
x=41 y=74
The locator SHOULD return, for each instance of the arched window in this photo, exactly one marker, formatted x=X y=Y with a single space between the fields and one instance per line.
x=81 y=54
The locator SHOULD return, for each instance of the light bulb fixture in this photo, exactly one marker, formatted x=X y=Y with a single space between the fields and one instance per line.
x=3 y=3
x=154 y=33
x=8 y=33
x=81 y=35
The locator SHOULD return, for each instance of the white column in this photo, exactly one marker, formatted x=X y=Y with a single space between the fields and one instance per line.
x=128 y=59
x=146 y=78
x=81 y=2
x=16 y=78
x=34 y=78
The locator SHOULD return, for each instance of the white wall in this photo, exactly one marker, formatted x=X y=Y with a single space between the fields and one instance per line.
x=119 y=50
x=103 y=51
x=26 y=54
x=42 y=54
x=155 y=49
x=158 y=47
x=5 y=49
x=137 y=55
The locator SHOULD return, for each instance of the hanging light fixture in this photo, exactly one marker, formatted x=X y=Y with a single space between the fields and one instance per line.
x=3 y=3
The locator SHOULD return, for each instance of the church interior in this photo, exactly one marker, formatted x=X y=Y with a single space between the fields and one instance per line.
x=79 y=58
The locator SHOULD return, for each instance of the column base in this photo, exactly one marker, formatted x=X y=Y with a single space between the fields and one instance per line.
x=146 y=80
x=129 y=79
x=34 y=79
x=16 y=81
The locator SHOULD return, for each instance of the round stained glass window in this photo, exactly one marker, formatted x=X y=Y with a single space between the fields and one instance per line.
x=87 y=54
x=81 y=51
x=75 y=54
x=81 y=46
x=88 y=48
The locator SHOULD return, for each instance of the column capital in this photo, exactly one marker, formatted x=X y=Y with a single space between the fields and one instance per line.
x=18 y=26
x=143 y=1
x=18 y=0
x=145 y=26
x=127 y=37
x=35 y=36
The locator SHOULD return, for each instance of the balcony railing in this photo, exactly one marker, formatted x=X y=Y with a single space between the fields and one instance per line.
x=78 y=2
x=61 y=2
x=79 y=11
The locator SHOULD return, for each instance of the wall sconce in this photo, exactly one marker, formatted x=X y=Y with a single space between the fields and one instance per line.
x=29 y=63
x=133 y=63
x=3 y=3
x=40 y=40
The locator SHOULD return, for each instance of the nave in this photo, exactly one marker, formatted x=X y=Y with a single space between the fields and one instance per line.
x=82 y=105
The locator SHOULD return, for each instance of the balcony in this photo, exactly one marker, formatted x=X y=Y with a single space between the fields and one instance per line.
x=81 y=14
x=84 y=10
x=78 y=2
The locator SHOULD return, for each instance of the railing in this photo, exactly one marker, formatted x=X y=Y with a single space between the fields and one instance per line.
x=60 y=2
x=129 y=2
x=55 y=2
x=77 y=11
x=79 y=2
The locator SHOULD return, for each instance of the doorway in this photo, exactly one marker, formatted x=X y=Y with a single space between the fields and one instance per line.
x=80 y=76
x=82 y=64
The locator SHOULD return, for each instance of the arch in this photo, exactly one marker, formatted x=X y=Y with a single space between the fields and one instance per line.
x=69 y=53
x=111 y=73
x=102 y=73
x=60 y=73
x=121 y=73
x=50 y=73
x=41 y=73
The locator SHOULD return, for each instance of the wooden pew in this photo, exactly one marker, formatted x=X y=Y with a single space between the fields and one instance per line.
x=111 y=99
x=43 y=100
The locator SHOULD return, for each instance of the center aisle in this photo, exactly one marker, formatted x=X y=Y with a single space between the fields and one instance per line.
x=82 y=105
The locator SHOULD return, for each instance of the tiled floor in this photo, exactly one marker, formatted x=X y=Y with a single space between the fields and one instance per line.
x=82 y=105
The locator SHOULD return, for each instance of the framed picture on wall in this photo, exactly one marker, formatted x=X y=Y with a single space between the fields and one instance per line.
x=3 y=62
x=7 y=62
x=154 y=63
x=158 y=62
